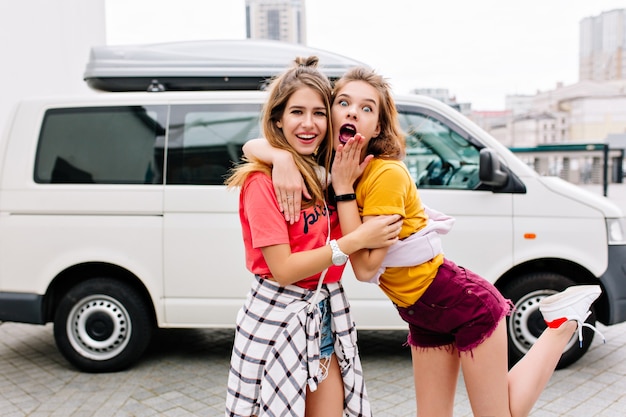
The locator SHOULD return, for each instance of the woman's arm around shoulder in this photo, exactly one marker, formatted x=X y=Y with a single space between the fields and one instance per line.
x=288 y=182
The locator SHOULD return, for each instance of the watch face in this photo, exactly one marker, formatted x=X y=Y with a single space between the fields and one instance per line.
x=339 y=258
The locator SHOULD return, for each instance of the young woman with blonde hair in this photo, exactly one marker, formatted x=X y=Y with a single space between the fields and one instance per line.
x=295 y=350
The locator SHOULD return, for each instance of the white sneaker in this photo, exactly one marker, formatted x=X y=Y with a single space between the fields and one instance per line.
x=571 y=304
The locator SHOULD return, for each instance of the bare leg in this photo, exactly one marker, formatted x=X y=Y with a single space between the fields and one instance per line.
x=495 y=392
x=528 y=378
x=485 y=373
x=435 y=372
x=327 y=400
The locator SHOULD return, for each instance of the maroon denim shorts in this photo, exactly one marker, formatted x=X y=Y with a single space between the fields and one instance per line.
x=459 y=308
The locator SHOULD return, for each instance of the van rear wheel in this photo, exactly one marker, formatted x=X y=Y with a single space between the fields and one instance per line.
x=102 y=325
x=526 y=324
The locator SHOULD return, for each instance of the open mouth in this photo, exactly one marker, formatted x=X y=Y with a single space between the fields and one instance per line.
x=346 y=132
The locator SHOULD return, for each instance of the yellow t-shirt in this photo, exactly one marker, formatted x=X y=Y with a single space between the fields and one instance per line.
x=386 y=187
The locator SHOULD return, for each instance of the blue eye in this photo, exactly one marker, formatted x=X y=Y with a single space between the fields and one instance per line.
x=367 y=109
x=343 y=103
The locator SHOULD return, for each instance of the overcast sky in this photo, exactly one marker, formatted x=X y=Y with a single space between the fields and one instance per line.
x=479 y=50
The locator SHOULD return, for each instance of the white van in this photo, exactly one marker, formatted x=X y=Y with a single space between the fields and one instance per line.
x=114 y=220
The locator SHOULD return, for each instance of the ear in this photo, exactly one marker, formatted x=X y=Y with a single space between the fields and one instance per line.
x=279 y=124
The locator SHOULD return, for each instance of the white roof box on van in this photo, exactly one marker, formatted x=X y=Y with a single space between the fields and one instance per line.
x=201 y=65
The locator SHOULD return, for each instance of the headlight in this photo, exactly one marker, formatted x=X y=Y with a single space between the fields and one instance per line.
x=616 y=229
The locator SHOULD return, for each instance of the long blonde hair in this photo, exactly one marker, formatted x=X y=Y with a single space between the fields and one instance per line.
x=390 y=142
x=304 y=73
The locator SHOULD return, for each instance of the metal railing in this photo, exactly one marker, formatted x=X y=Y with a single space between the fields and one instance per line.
x=581 y=163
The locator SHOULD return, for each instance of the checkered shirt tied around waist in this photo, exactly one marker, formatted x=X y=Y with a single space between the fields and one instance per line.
x=276 y=352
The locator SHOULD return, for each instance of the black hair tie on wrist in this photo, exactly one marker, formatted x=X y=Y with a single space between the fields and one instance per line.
x=345 y=197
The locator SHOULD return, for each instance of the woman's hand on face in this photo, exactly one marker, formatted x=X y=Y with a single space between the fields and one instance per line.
x=289 y=187
x=347 y=166
x=380 y=231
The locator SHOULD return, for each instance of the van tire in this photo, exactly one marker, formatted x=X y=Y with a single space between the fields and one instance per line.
x=526 y=323
x=102 y=325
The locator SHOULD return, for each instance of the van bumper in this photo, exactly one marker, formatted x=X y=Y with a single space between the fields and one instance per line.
x=614 y=282
x=21 y=307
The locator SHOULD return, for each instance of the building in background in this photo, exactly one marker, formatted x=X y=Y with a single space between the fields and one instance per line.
x=518 y=103
x=442 y=94
x=603 y=47
x=281 y=20
x=591 y=112
x=530 y=129
x=585 y=112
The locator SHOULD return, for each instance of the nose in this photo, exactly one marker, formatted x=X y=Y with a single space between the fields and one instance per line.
x=308 y=119
x=352 y=111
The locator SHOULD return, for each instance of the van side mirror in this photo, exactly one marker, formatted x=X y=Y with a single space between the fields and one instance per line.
x=489 y=171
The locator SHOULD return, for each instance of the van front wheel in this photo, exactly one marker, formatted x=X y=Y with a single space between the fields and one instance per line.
x=526 y=324
x=102 y=325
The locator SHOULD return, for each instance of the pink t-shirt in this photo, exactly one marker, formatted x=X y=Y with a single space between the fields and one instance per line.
x=263 y=225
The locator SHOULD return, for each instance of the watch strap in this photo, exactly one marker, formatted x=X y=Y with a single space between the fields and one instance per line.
x=345 y=197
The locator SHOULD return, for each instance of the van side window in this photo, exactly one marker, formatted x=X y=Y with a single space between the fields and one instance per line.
x=438 y=156
x=205 y=141
x=101 y=145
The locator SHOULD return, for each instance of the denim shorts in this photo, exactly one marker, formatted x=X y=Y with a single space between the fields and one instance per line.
x=327 y=347
x=459 y=308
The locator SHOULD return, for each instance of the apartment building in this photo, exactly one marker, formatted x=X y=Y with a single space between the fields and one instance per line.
x=603 y=46
x=281 y=20
x=584 y=112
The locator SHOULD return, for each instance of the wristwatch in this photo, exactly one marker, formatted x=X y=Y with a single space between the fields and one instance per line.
x=339 y=258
